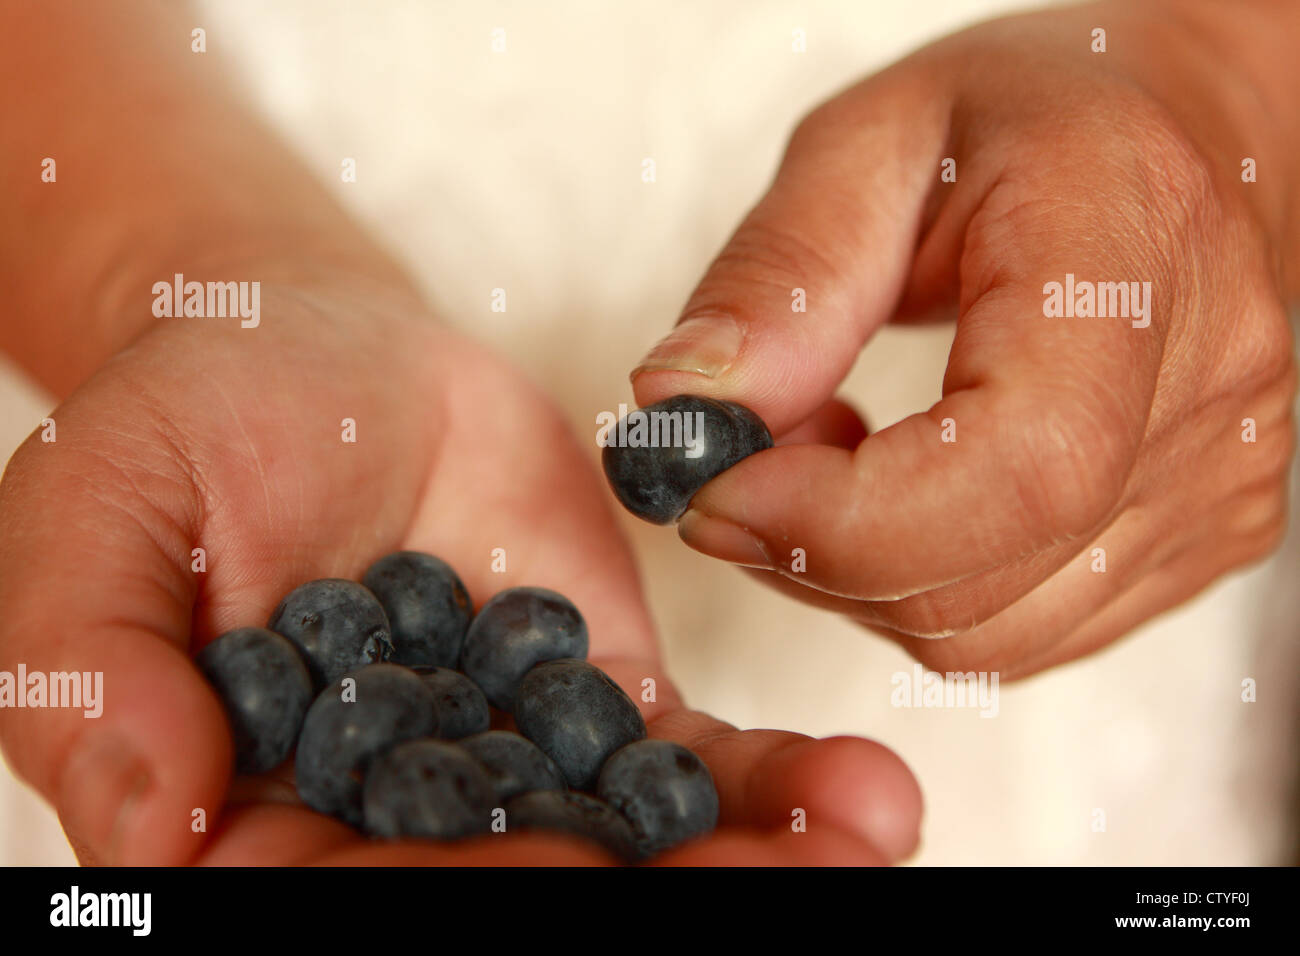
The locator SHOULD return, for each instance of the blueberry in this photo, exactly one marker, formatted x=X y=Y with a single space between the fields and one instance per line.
x=568 y=811
x=663 y=790
x=341 y=736
x=426 y=788
x=266 y=690
x=577 y=716
x=513 y=763
x=462 y=709
x=337 y=625
x=518 y=628
x=428 y=607
x=653 y=468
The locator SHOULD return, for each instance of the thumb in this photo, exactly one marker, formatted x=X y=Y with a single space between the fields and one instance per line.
x=93 y=559
x=818 y=265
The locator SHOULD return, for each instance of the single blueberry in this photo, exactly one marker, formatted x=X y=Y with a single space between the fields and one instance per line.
x=577 y=716
x=663 y=790
x=513 y=763
x=661 y=455
x=337 y=625
x=266 y=690
x=426 y=788
x=518 y=628
x=351 y=724
x=567 y=811
x=462 y=708
x=428 y=607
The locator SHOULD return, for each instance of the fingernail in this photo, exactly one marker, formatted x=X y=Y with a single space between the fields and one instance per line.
x=101 y=790
x=705 y=345
x=723 y=539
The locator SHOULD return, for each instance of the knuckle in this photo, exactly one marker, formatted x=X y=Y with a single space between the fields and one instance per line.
x=1269 y=355
x=1261 y=513
x=1275 y=454
x=36 y=469
x=1271 y=538
x=1254 y=544
x=773 y=252
x=814 y=128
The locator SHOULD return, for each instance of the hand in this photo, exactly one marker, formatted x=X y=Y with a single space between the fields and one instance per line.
x=1059 y=442
x=208 y=435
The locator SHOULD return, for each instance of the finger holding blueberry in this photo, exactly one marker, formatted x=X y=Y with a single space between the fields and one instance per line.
x=656 y=458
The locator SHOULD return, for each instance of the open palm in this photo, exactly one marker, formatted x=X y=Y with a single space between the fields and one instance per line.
x=206 y=435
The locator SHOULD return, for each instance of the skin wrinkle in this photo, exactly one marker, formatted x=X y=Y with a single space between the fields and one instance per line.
x=179 y=532
x=254 y=456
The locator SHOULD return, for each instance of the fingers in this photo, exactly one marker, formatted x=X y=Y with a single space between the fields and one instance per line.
x=1179 y=579
x=824 y=847
x=516 y=849
x=723 y=848
x=853 y=786
x=1031 y=446
x=92 y=583
x=792 y=784
x=1119 y=579
x=819 y=264
x=276 y=835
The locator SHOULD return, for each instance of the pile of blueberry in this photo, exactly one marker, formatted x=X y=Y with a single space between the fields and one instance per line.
x=386 y=690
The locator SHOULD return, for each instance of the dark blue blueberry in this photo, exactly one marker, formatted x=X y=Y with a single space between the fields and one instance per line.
x=663 y=790
x=428 y=607
x=337 y=626
x=462 y=708
x=657 y=481
x=426 y=788
x=518 y=628
x=567 y=811
x=577 y=716
x=344 y=733
x=513 y=763
x=266 y=690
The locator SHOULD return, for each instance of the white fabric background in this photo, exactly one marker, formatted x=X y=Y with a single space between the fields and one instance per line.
x=522 y=170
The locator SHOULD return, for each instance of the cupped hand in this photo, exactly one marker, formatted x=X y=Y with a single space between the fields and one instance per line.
x=206 y=435
x=1080 y=474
